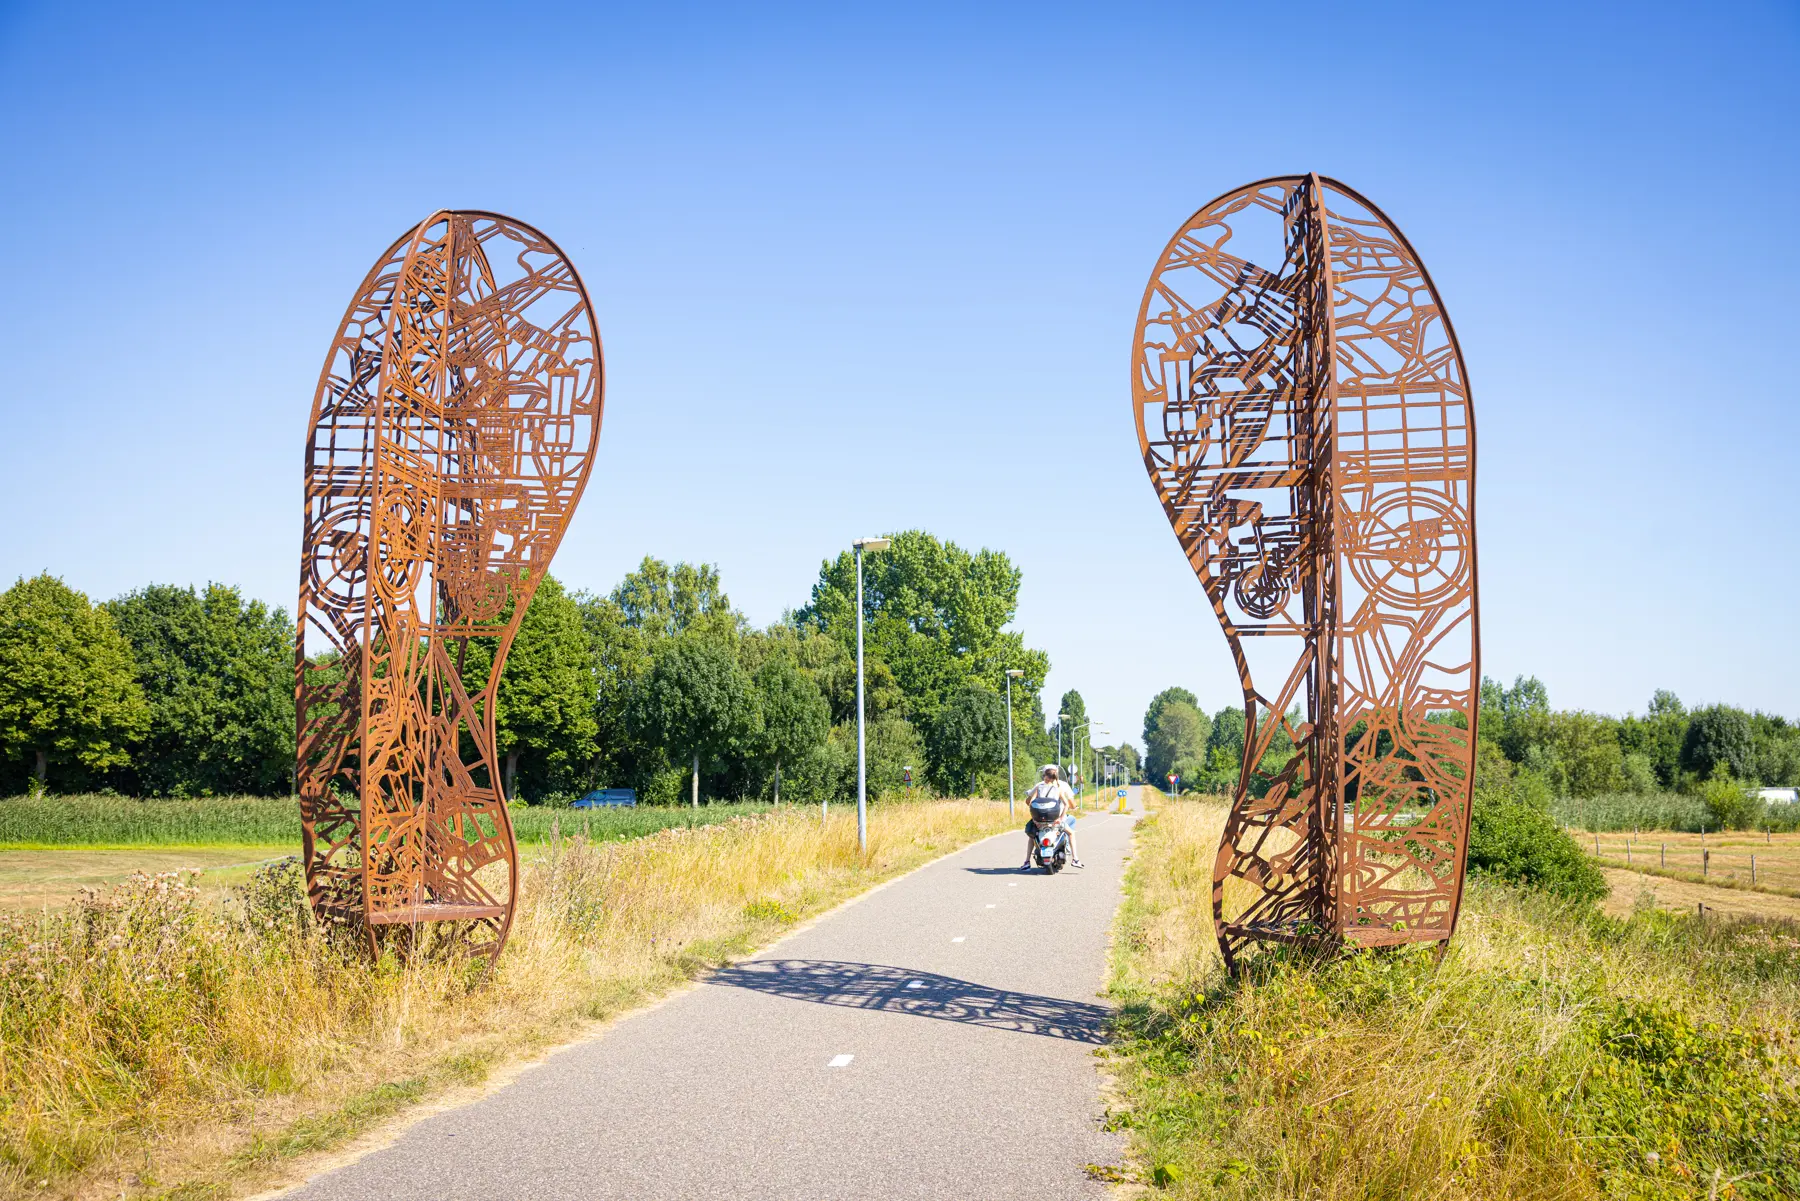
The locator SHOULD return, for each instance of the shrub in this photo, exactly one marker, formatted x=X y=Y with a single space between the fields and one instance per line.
x=1731 y=805
x=1511 y=838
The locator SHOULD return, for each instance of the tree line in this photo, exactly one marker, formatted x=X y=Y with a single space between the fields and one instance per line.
x=659 y=684
x=1552 y=752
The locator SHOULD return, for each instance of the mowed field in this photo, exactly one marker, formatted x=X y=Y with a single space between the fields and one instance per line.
x=1723 y=859
x=52 y=879
x=1631 y=890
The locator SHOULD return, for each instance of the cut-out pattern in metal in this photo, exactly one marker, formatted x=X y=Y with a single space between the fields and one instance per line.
x=452 y=433
x=1304 y=416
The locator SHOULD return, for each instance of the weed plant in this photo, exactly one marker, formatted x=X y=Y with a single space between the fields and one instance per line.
x=1553 y=1053
x=152 y=1041
x=51 y=822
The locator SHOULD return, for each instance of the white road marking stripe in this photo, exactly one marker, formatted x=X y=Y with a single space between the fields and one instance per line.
x=991 y=906
x=840 y=1061
x=959 y=938
x=915 y=984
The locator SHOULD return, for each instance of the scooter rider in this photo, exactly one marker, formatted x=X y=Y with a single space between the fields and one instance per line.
x=1050 y=788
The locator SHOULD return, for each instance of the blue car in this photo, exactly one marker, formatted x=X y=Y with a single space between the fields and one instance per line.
x=602 y=798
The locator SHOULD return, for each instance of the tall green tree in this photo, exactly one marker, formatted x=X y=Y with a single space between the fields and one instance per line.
x=1152 y=713
x=1224 y=752
x=1777 y=743
x=620 y=659
x=1072 y=712
x=1178 y=742
x=1523 y=711
x=831 y=665
x=664 y=601
x=934 y=613
x=968 y=736
x=544 y=715
x=697 y=703
x=1719 y=736
x=1657 y=736
x=1586 y=751
x=795 y=716
x=218 y=674
x=68 y=685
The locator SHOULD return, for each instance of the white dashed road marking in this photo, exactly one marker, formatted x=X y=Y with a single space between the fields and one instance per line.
x=840 y=1061
x=958 y=938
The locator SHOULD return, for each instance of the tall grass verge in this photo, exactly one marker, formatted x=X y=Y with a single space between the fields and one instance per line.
x=1553 y=1053
x=149 y=1040
x=56 y=822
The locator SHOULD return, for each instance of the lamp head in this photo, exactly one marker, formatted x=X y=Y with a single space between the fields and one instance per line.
x=872 y=543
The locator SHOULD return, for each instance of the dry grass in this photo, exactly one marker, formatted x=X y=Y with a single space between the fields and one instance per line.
x=153 y=1043
x=53 y=879
x=1723 y=859
x=1632 y=890
x=1554 y=1053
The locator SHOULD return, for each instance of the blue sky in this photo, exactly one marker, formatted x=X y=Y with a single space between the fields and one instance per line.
x=864 y=269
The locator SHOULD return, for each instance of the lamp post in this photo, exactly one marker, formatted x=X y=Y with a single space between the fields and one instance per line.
x=1012 y=673
x=1060 y=719
x=862 y=752
x=1090 y=755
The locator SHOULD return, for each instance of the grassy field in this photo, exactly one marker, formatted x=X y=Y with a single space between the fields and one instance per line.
x=1632 y=890
x=54 y=879
x=1555 y=1052
x=155 y=1044
x=54 y=822
x=1737 y=859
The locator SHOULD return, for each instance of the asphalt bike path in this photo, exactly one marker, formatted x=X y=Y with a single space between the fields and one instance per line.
x=934 y=1039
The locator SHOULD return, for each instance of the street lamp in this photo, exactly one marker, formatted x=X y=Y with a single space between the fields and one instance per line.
x=1079 y=757
x=862 y=752
x=1060 y=719
x=1012 y=673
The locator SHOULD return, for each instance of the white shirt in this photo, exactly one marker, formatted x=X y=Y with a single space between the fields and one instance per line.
x=1047 y=790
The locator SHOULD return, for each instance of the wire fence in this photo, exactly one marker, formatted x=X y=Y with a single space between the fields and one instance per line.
x=1761 y=860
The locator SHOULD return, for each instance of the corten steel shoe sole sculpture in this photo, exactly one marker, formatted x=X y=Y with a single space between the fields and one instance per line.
x=1304 y=416
x=452 y=434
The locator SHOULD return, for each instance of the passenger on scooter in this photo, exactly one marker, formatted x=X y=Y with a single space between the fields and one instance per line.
x=1050 y=788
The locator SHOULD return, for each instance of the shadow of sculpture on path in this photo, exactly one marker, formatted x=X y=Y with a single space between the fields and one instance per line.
x=921 y=994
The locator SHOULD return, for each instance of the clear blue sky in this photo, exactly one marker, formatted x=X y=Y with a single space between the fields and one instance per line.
x=863 y=270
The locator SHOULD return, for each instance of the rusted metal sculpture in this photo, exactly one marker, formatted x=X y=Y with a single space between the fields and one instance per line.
x=452 y=433
x=1304 y=416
